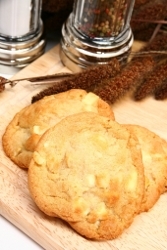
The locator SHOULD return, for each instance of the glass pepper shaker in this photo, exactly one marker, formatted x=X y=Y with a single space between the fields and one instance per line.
x=95 y=32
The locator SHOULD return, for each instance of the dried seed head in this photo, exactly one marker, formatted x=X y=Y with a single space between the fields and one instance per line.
x=155 y=79
x=161 y=92
x=86 y=80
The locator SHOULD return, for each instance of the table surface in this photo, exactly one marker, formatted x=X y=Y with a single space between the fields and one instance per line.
x=11 y=238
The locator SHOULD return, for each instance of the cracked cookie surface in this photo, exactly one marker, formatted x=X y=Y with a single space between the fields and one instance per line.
x=88 y=171
x=24 y=131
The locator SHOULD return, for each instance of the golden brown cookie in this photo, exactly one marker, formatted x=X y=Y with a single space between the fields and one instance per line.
x=164 y=145
x=88 y=171
x=154 y=154
x=26 y=128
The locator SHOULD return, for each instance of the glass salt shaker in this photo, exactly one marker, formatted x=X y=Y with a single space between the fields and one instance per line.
x=95 y=32
x=21 y=32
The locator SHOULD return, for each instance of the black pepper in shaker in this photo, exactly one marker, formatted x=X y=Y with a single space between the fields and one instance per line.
x=95 y=32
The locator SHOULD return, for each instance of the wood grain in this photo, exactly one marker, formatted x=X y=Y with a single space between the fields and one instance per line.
x=148 y=231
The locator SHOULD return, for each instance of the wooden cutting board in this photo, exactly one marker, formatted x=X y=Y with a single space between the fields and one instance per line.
x=148 y=231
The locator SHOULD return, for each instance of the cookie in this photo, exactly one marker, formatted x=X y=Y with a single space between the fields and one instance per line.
x=154 y=154
x=164 y=145
x=26 y=128
x=87 y=170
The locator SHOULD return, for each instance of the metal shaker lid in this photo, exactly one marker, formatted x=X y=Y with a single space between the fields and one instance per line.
x=21 y=53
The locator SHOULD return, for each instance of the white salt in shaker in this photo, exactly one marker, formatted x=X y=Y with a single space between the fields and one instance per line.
x=21 y=32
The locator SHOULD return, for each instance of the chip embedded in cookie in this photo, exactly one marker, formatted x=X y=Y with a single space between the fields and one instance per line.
x=88 y=171
x=154 y=154
x=26 y=128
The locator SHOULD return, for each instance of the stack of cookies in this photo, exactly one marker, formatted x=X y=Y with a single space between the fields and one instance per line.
x=83 y=166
